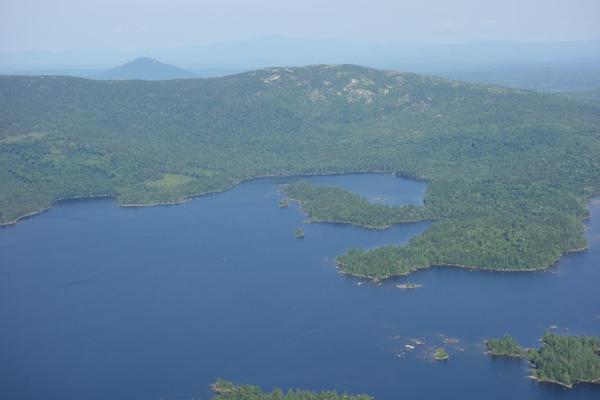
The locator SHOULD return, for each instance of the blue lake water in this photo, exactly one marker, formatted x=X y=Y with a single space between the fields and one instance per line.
x=101 y=302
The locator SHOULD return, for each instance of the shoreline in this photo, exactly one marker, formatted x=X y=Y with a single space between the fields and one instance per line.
x=552 y=381
x=515 y=356
x=43 y=210
x=311 y=220
x=590 y=200
x=372 y=227
x=197 y=195
x=533 y=370
x=340 y=266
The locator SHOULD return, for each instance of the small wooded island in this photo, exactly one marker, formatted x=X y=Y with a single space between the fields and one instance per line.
x=506 y=346
x=225 y=390
x=440 y=354
x=564 y=360
x=299 y=233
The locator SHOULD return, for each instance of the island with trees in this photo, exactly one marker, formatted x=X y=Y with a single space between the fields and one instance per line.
x=509 y=172
x=440 y=354
x=225 y=390
x=506 y=346
x=564 y=360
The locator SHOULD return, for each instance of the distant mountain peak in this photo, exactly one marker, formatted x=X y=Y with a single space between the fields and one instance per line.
x=147 y=60
x=146 y=68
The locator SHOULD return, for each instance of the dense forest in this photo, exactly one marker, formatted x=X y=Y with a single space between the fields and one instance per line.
x=591 y=97
x=565 y=360
x=506 y=346
x=509 y=171
x=514 y=241
x=329 y=204
x=228 y=391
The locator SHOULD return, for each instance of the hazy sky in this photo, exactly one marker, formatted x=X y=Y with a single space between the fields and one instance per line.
x=138 y=24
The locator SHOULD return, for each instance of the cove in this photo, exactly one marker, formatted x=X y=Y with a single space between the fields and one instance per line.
x=99 y=302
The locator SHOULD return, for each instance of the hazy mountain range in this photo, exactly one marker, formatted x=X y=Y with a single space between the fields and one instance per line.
x=565 y=66
x=289 y=51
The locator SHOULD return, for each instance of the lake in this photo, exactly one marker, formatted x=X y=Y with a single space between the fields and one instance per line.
x=103 y=302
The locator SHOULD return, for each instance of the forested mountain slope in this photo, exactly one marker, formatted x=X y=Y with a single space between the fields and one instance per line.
x=591 y=97
x=509 y=171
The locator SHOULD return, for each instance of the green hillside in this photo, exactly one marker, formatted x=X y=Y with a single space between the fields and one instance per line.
x=592 y=97
x=509 y=171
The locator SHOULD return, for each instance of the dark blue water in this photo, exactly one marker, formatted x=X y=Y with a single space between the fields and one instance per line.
x=101 y=302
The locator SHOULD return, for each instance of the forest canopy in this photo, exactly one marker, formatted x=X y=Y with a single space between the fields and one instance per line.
x=564 y=360
x=514 y=241
x=506 y=346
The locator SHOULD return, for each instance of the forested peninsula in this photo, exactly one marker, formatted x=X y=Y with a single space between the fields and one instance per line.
x=509 y=171
x=564 y=360
x=493 y=243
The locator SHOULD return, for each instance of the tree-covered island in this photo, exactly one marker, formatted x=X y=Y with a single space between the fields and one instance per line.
x=509 y=171
x=564 y=360
x=441 y=354
x=506 y=346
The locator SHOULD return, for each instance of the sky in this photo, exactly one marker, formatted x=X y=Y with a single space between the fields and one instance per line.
x=60 y=25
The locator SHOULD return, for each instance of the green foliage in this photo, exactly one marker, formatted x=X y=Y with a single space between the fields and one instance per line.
x=506 y=346
x=509 y=171
x=531 y=236
x=565 y=360
x=592 y=97
x=228 y=391
x=568 y=359
x=330 y=204
x=440 y=354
